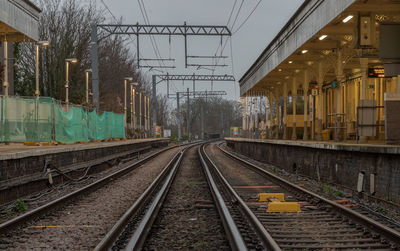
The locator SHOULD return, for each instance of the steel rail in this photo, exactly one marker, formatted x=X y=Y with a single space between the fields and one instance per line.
x=6 y=226
x=235 y=238
x=369 y=223
x=112 y=236
x=267 y=240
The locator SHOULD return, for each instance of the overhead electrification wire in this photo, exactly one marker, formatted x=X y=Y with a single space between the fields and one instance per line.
x=247 y=18
x=116 y=21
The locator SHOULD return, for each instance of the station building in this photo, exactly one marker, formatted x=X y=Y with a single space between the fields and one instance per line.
x=331 y=73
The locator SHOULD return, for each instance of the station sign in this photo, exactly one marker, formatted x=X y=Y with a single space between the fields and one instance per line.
x=158 y=130
x=314 y=91
x=376 y=72
x=334 y=84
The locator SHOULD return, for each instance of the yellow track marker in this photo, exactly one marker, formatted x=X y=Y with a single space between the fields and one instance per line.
x=283 y=207
x=271 y=197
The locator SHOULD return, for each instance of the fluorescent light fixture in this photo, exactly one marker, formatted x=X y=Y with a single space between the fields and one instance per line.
x=129 y=79
x=304 y=51
x=347 y=18
x=290 y=62
x=44 y=43
x=323 y=37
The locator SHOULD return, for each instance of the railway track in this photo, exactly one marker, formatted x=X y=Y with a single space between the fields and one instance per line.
x=79 y=219
x=134 y=209
x=321 y=224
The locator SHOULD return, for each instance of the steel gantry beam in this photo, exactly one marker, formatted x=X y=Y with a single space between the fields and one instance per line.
x=140 y=29
x=172 y=77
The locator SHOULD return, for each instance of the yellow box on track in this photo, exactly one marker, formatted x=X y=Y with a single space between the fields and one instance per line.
x=283 y=207
x=271 y=197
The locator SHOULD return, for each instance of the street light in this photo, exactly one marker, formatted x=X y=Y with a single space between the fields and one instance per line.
x=133 y=107
x=87 y=84
x=125 y=86
x=45 y=44
x=67 y=61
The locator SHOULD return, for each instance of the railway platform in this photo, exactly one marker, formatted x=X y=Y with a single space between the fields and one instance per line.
x=27 y=169
x=369 y=169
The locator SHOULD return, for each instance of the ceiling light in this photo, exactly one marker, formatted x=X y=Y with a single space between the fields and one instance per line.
x=279 y=69
x=347 y=18
x=297 y=70
x=304 y=51
x=290 y=62
x=323 y=37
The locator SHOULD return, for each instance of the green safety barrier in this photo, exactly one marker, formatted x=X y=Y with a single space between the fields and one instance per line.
x=43 y=120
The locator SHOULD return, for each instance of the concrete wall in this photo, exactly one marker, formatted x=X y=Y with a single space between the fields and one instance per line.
x=24 y=172
x=332 y=163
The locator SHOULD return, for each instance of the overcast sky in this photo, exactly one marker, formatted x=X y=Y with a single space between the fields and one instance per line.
x=247 y=43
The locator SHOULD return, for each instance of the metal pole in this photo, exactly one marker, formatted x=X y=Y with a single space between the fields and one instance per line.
x=188 y=114
x=154 y=102
x=37 y=71
x=67 y=81
x=140 y=114
x=148 y=115
x=145 y=111
x=179 y=117
x=125 y=83
x=132 y=108
x=202 y=121
x=95 y=66
x=5 y=84
x=87 y=87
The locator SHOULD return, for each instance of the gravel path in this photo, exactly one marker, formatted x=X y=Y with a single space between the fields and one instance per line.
x=187 y=220
x=82 y=224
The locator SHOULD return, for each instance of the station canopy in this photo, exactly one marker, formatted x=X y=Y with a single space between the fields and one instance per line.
x=315 y=34
x=19 y=21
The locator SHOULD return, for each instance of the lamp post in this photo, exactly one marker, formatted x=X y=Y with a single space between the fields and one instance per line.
x=38 y=44
x=87 y=84
x=67 y=62
x=133 y=107
x=125 y=86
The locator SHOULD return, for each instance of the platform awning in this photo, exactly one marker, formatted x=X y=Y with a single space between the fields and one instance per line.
x=314 y=35
x=19 y=21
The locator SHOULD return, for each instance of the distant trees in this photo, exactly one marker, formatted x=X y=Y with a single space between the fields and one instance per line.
x=219 y=116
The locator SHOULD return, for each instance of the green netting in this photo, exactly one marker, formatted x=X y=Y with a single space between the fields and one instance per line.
x=43 y=120
x=106 y=126
x=25 y=120
x=71 y=126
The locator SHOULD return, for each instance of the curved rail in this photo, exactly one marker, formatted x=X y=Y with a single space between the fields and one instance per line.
x=6 y=226
x=369 y=223
x=267 y=240
x=139 y=236
x=235 y=239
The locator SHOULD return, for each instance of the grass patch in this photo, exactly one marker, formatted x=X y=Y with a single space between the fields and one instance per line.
x=200 y=244
x=275 y=170
x=327 y=189
x=379 y=209
x=20 y=206
x=338 y=193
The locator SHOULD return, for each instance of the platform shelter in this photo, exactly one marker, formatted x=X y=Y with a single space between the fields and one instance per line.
x=331 y=73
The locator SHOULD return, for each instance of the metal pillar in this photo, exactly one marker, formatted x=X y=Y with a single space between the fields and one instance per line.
x=202 y=121
x=188 y=114
x=284 y=110
x=154 y=103
x=5 y=83
x=306 y=83
x=179 y=117
x=294 y=98
x=95 y=66
x=320 y=83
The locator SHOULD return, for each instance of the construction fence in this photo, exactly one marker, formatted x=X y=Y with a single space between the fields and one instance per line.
x=45 y=119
